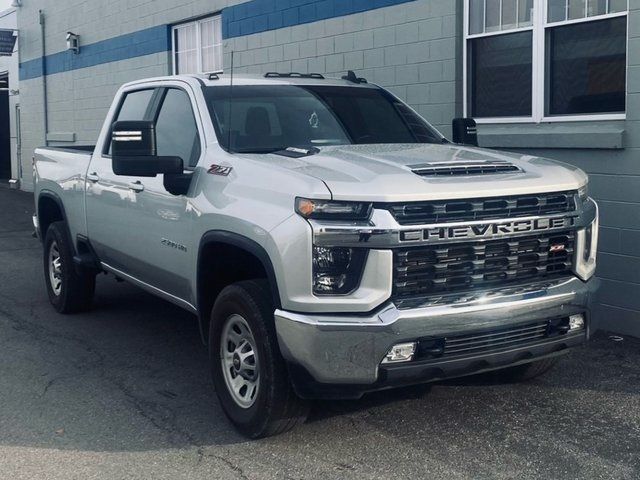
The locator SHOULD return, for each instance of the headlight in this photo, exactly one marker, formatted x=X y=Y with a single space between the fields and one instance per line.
x=337 y=271
x=330 y=210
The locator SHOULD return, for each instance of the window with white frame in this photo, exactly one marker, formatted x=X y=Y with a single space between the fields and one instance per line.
x=197 y=46
x=545 y=60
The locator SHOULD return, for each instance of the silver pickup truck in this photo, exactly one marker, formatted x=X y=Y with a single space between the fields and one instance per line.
x=329 y=240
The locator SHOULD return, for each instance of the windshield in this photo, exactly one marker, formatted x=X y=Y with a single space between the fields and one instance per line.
x=268 y=118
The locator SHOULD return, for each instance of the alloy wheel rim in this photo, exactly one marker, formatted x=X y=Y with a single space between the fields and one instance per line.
x=239 y=360
x=55 y=269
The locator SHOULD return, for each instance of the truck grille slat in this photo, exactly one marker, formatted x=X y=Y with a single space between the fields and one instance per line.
x=442 y=211
x=496 y=340
x=466 y=340
x=428 y=270
x=503 y=340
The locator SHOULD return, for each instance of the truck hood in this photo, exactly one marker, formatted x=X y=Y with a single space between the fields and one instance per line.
x=386 y=173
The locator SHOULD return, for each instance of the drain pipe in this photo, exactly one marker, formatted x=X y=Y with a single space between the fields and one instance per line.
x=44 y=79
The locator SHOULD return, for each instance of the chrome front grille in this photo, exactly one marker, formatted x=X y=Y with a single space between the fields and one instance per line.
x=449 y=268
x=443 y=211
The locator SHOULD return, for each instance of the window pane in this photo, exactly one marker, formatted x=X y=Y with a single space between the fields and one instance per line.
x=617 y=6
x=492 y=16
x=176 y=130
x=597 y=7
x=557 y=10
x=501 y=75
x=210 y=39
x=577 y=9
x=135 y=105
x=206 y=33
x=587 y=67
x=508 y=14
x=525 y=12
x=476 y=16
x=186 y=44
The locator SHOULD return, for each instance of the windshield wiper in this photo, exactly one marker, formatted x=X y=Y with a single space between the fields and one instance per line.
x=291 y=152
x=296 y=152
x=257 y=150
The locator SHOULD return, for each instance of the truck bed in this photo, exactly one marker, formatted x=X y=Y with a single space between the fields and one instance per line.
x=61 y=173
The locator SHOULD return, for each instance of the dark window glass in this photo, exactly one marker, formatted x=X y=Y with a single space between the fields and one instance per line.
x=501 y=71
x=135 y=106
x=273 y=117
x=176 y=129
x=587 y=72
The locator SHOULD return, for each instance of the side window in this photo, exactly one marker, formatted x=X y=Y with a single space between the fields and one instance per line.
x=176 y=129
x=133 y=107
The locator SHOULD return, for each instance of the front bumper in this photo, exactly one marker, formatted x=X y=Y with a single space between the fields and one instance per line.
x=340 y=355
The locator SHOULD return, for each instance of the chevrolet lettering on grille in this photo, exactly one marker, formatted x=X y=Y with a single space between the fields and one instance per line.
x=489 y=230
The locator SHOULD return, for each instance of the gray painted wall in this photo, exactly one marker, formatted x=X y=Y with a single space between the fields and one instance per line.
x=414 y=49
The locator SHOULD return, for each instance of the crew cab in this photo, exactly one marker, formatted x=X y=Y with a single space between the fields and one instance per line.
x=330 y=241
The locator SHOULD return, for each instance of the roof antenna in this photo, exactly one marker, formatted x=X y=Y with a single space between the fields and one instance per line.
x=230 y=147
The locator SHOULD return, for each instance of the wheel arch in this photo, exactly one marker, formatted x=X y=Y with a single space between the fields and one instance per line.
x=220 y=250
x=50 y=209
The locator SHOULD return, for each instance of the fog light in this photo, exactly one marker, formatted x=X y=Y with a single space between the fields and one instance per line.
x=576 y=322
x=402 y=352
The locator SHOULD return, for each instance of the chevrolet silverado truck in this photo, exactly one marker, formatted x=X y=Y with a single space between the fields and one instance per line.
x=328 y=239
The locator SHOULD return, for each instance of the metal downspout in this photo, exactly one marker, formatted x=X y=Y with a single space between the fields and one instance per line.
x=44 y=79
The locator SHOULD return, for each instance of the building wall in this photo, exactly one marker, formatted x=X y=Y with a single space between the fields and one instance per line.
x=409 y=46
x=9 y=20
x=610 y=152
x=413 y=47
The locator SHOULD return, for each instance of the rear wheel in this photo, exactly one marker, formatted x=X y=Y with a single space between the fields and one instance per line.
x=249 y=373
x=528 y=371
x=70 y=290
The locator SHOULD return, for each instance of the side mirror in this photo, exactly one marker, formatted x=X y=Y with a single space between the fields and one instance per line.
x=465 y=131
x=133 y=151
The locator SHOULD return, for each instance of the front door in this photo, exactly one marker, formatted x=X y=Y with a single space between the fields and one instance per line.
x=135 y=225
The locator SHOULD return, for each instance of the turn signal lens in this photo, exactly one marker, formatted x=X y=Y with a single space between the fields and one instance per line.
x=330 y=210
x=583 y=192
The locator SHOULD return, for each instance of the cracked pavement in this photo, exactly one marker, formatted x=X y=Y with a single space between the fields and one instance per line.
x=123 y=392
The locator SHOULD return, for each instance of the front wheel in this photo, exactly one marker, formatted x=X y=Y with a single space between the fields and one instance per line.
x=70 y=290
x=249 y=373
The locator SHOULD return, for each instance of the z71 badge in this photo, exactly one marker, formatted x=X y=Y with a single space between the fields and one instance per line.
x=220 y=170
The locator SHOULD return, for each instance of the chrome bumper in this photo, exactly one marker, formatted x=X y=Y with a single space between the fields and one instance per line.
x=348 y=349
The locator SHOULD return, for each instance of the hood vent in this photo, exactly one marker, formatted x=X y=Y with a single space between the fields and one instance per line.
x=464 y=168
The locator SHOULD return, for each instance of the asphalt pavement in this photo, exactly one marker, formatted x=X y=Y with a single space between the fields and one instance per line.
x=123 y=392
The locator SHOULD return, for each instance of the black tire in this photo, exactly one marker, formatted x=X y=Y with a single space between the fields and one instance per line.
x=74 y=292
x=276 y=408
x=528 y=371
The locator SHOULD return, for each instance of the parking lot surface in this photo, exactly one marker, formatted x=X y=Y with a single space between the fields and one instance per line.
x=123 y=392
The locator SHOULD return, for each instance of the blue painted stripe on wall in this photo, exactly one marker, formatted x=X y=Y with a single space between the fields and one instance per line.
x=258 y=16
x=132 y=45
x=245 y=18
